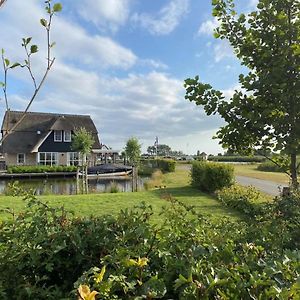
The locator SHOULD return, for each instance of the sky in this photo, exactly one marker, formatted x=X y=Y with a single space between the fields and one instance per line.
x=124 y=62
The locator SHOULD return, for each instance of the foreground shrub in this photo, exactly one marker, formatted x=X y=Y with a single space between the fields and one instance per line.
x=48 y=254
x=209 y=177
x=244 y=199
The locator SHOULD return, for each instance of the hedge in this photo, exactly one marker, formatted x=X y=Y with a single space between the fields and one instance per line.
x=250 y=159
x=209 y=176
x=40 y=169
x=269 y=166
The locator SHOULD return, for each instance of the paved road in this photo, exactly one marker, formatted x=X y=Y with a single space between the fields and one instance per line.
x=268 y=187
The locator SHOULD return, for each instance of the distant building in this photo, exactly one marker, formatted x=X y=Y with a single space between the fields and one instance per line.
x=44 y=138
x=203 y=156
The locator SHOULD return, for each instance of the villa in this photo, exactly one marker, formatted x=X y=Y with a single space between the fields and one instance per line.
x=44 y=138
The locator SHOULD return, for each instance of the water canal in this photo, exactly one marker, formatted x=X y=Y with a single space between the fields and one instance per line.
x=67 y=186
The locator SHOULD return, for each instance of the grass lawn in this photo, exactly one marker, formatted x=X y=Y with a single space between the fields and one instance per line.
x=251 y=171
x=177 y=185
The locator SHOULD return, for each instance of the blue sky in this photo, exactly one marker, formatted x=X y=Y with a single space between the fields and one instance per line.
x=124 y=62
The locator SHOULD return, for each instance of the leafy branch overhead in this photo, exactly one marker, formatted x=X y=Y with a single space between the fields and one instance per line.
x=30 y=49
x=265 y=111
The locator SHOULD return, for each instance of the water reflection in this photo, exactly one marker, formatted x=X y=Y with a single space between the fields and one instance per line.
x=67 y=186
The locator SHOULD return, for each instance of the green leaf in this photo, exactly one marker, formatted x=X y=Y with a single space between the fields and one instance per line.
x=216 y=35
x=7 y=62
x=57 y=7
x=34 y=48
x=2 y=84
x=28 y=40
x=52 y=45
x=15 y=65
x=43 y=22
x=2 y=51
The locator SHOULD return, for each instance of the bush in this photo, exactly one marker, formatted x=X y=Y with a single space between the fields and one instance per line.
x=244 y=199
x=47 y=254
x=150 y=165
x=113 y=188
x=40 y=169
x=154 y=181
x=209 y=177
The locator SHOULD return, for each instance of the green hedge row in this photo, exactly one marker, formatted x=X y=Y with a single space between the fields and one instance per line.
x=209 y=176
x=250 y=159
x=40 y=169
x=269 y=166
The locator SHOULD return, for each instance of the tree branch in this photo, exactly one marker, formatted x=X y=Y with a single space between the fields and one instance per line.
x=30 y=102
x=276 y=163
x=28 y=66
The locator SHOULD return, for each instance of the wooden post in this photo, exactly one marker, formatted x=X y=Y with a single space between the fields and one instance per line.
x=86 y=180
x=132 y=179
x=136 y=179
x=77 y=180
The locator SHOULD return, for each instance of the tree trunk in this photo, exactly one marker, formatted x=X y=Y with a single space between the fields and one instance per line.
x=293 y=170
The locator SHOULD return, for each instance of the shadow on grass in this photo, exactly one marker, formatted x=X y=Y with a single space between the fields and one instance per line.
x=185 y=191
x=204 y=203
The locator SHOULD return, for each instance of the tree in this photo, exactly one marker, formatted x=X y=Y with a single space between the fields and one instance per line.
x=162 y=150
x=265 y=112
x=151 y=150
x=133 y=150
x=82 y=142
x=30 y=49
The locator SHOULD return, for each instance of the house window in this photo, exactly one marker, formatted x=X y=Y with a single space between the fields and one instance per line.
x=47 y=158
x=57 y=136
x=67 y=136
x=21 y=159
x=73 y=158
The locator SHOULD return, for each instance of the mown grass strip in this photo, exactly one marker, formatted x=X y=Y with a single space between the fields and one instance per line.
x=177 y=185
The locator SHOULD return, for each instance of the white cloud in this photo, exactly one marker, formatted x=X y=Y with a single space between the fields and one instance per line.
x=253 y=3
x=141 y=105
x=105 y=14
x=222 y=50
x=208 y=27
x=92 y=50
x=74 y=42
x=166 y=20
x=155 y=64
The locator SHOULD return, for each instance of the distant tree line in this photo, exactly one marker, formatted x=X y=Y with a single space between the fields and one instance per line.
x=163 y=150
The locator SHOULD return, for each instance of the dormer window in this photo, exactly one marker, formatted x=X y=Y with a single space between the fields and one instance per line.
x=67 y=136
x=57 y=136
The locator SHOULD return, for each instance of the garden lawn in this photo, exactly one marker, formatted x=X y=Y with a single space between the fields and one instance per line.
x=177 y=185
x=250 y=170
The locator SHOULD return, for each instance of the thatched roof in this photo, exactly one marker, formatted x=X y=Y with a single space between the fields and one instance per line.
x=36 y=126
